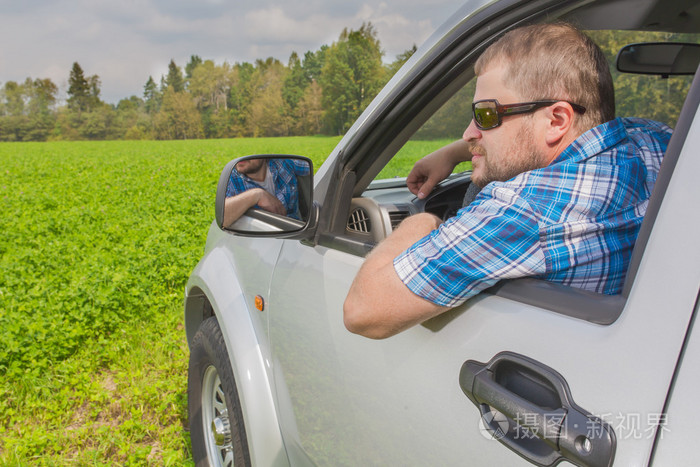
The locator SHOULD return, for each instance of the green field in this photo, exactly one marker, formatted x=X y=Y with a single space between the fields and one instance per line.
x=98 y=239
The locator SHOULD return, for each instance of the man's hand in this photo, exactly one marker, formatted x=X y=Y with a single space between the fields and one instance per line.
x=270 y=203
x=435 y=167
x=379 y=304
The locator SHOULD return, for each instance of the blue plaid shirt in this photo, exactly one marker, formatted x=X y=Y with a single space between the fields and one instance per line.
x=574 y=222
x=284 y=174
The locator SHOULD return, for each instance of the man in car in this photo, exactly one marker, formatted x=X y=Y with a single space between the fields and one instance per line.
x=565 y=186
x=269 y=184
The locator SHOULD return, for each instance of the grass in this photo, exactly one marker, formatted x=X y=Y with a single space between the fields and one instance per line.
x=98 y=241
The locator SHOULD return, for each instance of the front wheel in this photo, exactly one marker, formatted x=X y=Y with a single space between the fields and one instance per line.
x=216 y=421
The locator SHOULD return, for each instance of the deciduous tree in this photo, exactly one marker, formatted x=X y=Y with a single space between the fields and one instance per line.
x=267 y=116
x=178 y=117
x=351 y=77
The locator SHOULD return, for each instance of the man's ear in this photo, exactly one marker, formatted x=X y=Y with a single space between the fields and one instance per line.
x=560 y=121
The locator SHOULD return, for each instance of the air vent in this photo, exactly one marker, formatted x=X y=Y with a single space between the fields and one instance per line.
x=396 y=218
x=359 y=221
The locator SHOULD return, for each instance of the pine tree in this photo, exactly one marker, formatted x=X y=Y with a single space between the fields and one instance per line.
x=78 y=89
x=175 y=79
x=151 y=96
x=195 y=61
x=84 y=92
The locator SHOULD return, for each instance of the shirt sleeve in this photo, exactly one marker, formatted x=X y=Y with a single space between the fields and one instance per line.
x=301 y=168
x=235 y=185
x=496 y=237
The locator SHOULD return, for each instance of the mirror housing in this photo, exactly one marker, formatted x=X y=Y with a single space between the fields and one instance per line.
x=659 y=58
x=245 y=204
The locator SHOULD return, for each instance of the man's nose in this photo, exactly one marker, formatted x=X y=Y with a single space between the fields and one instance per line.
x=472 y=133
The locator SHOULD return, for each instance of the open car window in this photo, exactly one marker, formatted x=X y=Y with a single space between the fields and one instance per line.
x=387 y=201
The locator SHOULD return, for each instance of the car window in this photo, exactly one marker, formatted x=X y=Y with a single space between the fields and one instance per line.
x=445 y=126
x=644 y=96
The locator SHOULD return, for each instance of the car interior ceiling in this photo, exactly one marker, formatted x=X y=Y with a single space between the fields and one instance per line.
x=643 y=15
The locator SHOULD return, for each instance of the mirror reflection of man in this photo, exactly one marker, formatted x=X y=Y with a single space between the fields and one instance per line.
x=269 y=184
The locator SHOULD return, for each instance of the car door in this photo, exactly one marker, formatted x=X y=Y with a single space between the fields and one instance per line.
x=414 y=399
x=351 y=401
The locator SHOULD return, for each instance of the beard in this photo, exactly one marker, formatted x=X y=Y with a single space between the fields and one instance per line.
x=251 y=166
x=518 y=157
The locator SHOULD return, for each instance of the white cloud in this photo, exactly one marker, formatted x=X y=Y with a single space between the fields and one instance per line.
x=274 y=25
x=397 y=33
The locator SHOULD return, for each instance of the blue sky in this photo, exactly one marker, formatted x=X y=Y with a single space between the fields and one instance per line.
x=126 y=41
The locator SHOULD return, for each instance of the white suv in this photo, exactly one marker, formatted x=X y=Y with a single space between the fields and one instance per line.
x=526 y=372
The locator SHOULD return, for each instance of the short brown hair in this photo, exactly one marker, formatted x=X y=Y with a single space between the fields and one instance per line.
x=556 y=61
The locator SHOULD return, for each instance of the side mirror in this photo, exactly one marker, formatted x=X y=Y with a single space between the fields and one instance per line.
x=266 y=195
x=659 y=58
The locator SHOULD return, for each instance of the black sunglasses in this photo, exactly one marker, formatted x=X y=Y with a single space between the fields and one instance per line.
x=488 y=113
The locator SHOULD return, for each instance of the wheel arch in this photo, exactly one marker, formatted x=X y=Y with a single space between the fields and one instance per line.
x=213 y=290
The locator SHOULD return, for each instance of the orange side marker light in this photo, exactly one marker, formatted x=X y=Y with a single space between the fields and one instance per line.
x=259 y=303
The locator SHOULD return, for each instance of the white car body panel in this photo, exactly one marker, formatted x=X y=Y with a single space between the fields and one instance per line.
x=677 y=439
x=218 y=277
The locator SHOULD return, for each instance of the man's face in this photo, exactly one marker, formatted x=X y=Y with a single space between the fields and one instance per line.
x=253 y=168
x=501 y=153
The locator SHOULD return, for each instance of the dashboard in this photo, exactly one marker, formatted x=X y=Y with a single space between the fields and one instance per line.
x=385 y=203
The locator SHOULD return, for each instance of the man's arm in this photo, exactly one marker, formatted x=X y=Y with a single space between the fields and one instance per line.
x=237 y=205
x=436 y=166
x=379 y=304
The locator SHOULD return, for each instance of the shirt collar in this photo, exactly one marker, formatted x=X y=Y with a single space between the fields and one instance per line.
x=594 y=141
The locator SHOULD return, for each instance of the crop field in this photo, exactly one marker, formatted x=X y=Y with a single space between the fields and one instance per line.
x=98 y=239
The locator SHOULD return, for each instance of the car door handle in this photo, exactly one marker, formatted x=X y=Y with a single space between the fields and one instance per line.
x=528 y=407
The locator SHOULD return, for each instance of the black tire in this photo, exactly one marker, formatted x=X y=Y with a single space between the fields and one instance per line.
x=213 y=397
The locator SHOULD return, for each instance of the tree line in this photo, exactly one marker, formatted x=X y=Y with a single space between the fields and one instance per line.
x=322 y=92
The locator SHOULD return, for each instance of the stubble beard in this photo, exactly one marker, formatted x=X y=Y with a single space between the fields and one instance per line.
x=518 y=157
x=252 y=168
